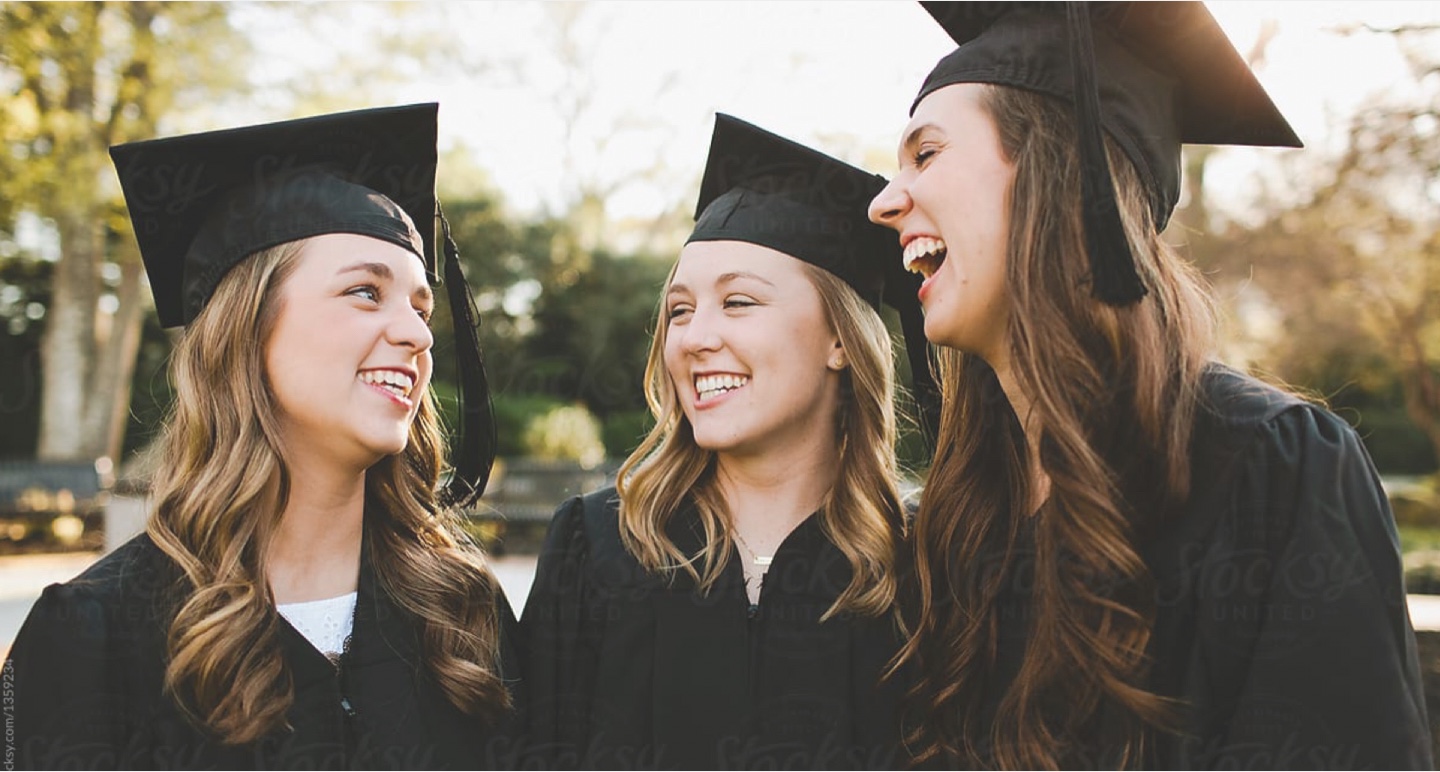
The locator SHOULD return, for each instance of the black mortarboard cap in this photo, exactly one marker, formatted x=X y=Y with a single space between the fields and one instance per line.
x=1151 y=74
x=764 y=189
x=202 y=203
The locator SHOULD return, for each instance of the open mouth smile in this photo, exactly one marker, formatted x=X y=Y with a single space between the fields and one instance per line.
x=708 y=387
x=395 y=384
x=924 y=255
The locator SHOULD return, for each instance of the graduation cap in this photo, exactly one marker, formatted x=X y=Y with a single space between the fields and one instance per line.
x=764 y=189
x=1151 y=74
x=202 y=203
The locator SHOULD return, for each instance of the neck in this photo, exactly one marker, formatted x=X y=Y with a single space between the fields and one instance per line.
x=315 y=552
x=1021 y=403
x=768 y=497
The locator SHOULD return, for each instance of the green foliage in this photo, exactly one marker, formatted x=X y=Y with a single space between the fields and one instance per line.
x=1361 y=385
x=513 y=415
x=24 y=294
x=592 y=332
x=1416 y=505
x=150 y=390
x=568 y=432
x=622 y=431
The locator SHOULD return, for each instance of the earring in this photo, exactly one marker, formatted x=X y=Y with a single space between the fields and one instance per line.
x=838 y=363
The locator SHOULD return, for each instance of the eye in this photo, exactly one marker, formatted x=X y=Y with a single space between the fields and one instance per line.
x=425 y=314
x=923 y=155
x=739 y=301
x=368 y=291
x=677 y=311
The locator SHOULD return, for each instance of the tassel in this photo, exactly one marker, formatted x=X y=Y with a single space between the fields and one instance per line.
x=926 y=391
x=1114 y=280
x=474 y=454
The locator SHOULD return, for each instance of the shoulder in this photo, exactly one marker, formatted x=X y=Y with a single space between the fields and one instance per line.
x=112 y=609
x=585 y=518
x=1282 y=466
x=135 y=571
x=1237 y=402
x=1244 y=421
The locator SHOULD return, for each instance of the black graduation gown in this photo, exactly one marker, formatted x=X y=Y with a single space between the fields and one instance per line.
x=1281 y=618
x=88 y=667
x=627 y=671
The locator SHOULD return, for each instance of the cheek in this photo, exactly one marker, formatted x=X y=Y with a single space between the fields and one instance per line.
x=672 y=358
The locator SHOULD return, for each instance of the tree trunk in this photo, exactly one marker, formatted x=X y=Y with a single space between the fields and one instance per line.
x=109 y=408
x=68 y=347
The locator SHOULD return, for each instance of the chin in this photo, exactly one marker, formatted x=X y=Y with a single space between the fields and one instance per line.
x=387 y=446
x=714 y=442
x=941 y=334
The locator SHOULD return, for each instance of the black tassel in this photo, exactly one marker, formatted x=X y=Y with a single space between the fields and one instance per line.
x=1114 y=280
x=926 y=391
x=474 y=454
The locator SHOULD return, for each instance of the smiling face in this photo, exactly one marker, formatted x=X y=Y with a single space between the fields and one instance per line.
x=754 y=362
x=950 y=202
x=349 y=357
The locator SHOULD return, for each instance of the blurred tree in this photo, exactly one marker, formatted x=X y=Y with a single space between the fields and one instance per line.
x=592 y=334
x=568 y=432
x=1351 y=274
x=24 y=294
x=76 y=78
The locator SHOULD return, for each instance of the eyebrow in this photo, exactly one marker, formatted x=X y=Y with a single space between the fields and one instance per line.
x=724 y=278
x=382 y=271
x=914 y=135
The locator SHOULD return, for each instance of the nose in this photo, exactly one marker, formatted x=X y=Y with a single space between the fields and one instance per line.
x=700 y=334
x=890 y=204
x=407 y=329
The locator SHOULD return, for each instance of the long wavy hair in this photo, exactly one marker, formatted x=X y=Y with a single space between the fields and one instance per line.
x=861 y=515
x=219 y=492
x=1113 y=392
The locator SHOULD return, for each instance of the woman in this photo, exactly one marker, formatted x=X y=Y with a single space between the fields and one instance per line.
x=303 y=595
x=729 y=604
x=1126 y=554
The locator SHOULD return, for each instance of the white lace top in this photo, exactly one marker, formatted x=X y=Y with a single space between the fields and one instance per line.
x=324 y=623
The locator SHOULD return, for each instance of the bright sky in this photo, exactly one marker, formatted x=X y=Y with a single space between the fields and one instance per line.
x=836 y=75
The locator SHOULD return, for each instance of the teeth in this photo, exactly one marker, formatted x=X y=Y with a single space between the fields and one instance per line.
x=920 y=249
x=393 y=380
x=710 y=385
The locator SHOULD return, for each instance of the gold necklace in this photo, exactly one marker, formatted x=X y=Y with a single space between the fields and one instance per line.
x=755 y=557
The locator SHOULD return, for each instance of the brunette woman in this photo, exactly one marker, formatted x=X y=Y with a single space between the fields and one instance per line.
x=1127 y=554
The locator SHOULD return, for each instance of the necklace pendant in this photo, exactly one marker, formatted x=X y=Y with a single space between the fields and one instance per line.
x=763 y=560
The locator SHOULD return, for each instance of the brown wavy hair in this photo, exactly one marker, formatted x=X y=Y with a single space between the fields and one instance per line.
x=861 y=515
x=1113 y=392
x=219 y=492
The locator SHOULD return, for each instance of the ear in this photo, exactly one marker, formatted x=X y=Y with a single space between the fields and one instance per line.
x=837 y=359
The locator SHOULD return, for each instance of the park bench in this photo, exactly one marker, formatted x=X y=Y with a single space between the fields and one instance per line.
x=53 y=502
x=522 y=497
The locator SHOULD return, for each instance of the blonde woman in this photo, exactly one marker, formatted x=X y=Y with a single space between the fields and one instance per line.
x=302 y=596
x=729 y=604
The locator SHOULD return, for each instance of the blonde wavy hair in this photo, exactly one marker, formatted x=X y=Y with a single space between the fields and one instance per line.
x=862 y=515
x=220 y=489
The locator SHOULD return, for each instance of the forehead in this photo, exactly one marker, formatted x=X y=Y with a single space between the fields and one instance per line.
x=950 y=108
x=704 y=263
x=332 y=253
